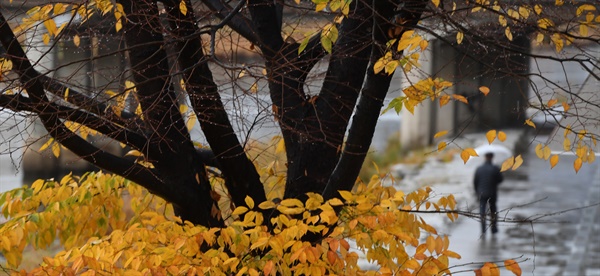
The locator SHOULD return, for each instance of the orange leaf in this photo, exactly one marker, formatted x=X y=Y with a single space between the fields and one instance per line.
x=444 y=99
x=268 y=267
x=491 y=135
x=566 y=106
x=485 y=90
x=552 y=102
x=451 y=254
x=508 y=163
x=331 y=257
x=513 y=267
x=577 y=164
x=490 y=269
x=553 y=161
x=460 y=98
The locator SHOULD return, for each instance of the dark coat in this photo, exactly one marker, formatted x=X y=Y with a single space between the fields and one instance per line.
x=486 y=181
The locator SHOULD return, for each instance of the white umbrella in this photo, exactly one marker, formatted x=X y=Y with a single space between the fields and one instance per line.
x=501 y=153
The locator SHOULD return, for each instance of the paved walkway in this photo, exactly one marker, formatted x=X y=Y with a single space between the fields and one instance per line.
x=547 y=229
x=555 y=242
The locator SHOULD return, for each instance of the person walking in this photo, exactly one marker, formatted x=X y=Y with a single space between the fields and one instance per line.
x=486 y=181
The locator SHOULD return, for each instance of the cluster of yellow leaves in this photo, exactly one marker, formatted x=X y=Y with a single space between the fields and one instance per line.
x=580 y=147
x=71 y=210
x=86 y=214
x=420 y=91
x=409 y=43
x=5 y=66
x=342 y=6
x=491 y=136
x=526 y=13
x=329 y=32
x=47 y=14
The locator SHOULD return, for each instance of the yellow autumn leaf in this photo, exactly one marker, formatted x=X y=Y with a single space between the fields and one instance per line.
x=436 y=2
x=551 y=102
x=239 y=210
x=583 y=30
x=471 y=152
x=567 y=131
x=553 y=161
x=581 y=134
x=567 y=144
x=507 y=164
x=56 y=149
x=530 y=123
x=118 y=25
x=378 y=66
x=501 y=136
x=249 y=202
x=538 y=9
x=546 y=152
x=267 y=205
x=441 y=146
x=524 y=12
x=51 y=27
x=484 y=90
x=183 y=108
x=191 y=121
x=46 y=39
x=491 y=136
x=508 y=33
x=183 y=7
x=467 y=153
x=76 y=40
x=459 y=37
x=591 y=156
x=518 y=162
x=585 y=7
x=46 y=145
x=558 y=42
x=135 y=153
x=440 y=134
x=577 y=164
x=280 y=148
x=539 y=38
x=502 y=20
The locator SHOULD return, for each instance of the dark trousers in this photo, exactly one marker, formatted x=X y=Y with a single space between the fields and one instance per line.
x=483 y=202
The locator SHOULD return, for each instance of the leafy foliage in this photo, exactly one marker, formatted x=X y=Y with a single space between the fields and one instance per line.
x=87 y=215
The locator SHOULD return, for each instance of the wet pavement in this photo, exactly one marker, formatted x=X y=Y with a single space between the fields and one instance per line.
x=545 y=224
x=552 y=235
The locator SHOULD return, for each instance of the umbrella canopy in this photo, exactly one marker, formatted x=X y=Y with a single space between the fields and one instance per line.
x=501 y=153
